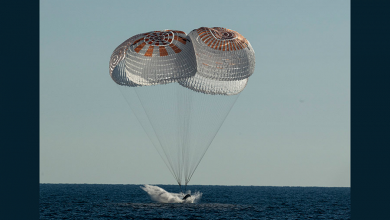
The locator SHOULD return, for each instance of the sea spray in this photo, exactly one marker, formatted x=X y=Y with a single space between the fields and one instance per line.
x=158 y=194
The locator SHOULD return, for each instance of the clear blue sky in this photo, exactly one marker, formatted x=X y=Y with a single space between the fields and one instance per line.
x=289 y=127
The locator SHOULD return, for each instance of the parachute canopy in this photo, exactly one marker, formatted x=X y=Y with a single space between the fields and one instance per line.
x=152 y=58
x=181 y=88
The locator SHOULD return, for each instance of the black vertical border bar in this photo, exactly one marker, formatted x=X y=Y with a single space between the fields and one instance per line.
x=19 y=140
x=370 y=101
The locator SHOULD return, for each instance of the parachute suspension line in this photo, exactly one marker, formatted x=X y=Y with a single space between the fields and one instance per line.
x=177 y=117
x=179 y=130
x=215 y=133
x=167 y=154
x=154 y=130
x=199 y=101
x=171 y=96
x=143 y=125
x=184 y=102
x=190 y=110
x=187 y=130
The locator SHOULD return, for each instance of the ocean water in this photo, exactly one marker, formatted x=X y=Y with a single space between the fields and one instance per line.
x=103 y=201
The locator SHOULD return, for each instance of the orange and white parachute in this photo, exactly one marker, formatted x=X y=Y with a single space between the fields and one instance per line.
x=152 y=58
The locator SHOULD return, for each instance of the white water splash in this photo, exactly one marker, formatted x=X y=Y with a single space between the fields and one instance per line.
x=160 y=195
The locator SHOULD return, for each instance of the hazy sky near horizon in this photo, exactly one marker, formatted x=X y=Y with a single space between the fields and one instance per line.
x=289 y=127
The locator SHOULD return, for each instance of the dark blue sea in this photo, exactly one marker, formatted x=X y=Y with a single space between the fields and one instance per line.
x=102 y=201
